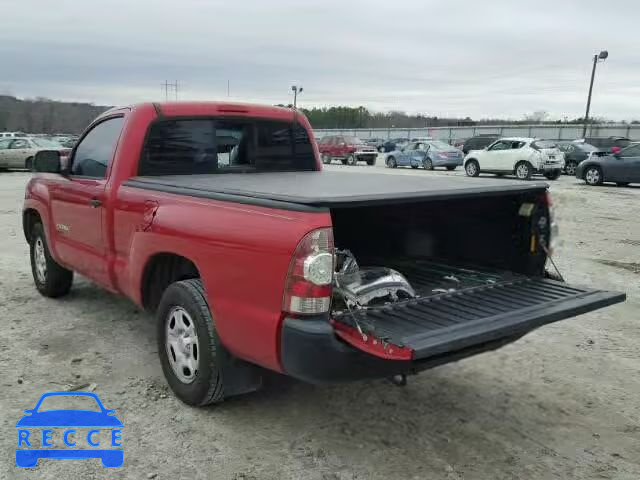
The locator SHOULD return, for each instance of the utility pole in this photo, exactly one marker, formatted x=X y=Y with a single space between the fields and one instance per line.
x=600 y=56
x=168 y=87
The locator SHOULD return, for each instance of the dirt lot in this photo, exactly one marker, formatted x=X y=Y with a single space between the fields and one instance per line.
x=563 y=402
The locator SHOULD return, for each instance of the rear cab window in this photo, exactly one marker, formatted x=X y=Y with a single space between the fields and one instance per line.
x=225 y=145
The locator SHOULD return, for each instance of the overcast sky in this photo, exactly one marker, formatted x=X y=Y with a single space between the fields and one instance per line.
x=445 y=58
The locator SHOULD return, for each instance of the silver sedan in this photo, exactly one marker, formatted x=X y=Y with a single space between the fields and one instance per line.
x=19 y=152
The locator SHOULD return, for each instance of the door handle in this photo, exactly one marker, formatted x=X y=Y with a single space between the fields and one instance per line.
x=95 y=203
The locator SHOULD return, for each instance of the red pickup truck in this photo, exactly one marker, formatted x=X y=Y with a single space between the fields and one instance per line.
x=218 y=218
x=349 y=150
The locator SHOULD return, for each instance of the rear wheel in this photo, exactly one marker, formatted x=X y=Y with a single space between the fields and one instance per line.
x=391 y=162
x=570 y=168
x=593 y=176
x=553 y=174
x=427 y=164
x=523 y=171
x=414 y=166
x=51 y=279
x=472 y=168
x=188 y=344
x=451 y=167
x=326 y=159
x=352 y=160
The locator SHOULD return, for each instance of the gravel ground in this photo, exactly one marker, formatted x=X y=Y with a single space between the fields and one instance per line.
x=562 y=402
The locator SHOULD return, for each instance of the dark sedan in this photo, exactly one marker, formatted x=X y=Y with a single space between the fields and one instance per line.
x=574 y=153
x=621 y=168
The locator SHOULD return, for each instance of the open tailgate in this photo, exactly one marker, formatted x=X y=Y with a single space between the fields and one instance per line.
x=486 y=309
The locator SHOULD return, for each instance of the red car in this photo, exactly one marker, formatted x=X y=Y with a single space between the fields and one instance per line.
x=349 y=150
x=217 y=218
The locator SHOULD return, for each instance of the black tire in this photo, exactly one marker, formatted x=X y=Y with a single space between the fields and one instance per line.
x=391 y=162
x=344 y=161
x=553 y=174
x=427 y=164
x=622 y=184
x=326 y=159
x=414 y=166
x=371 y=162
x=352 y=160
x=523 y=170
x=570 y=168
x=28 y=164
x=451 y=167
x=593 y=175
x=54 y=280
x=472 y=168
x=206 y=387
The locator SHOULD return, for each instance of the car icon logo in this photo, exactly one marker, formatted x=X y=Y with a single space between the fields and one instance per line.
x=83 y=433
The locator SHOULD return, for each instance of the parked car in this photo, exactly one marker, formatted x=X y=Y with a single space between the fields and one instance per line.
x=516 y=155
x=374 y=142
x=621 y=168
x=426 y=154
x=393 y=144
x=19 y=152
x=574 y=153
x=349 y=150
x=605 y=143
x=479 y=142
x=221 y=223
x=12 y=134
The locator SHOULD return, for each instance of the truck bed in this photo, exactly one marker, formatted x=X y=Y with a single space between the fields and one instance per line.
x=324 y=189
x=458 y=307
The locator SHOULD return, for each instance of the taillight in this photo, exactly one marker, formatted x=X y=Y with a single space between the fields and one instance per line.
x=308 y=285
x=553 y=226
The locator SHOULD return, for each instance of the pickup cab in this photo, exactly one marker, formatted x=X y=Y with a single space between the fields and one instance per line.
x=219 y=219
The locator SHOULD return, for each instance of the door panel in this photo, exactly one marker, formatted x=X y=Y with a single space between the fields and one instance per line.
x=77 y=226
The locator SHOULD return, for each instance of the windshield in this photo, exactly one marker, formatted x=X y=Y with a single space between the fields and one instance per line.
x=197 y=146
x=439 y=145
x=44 y=143
x=69 y=402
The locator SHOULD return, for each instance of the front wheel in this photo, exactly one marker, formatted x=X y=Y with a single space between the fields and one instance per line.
x=553 y=174
x=472 y=169
x=371 y=162
x=188 y=344
x=570 y=168
x=28 y=164
x=523 y=171
x=391 y=162
x=51 y=278
x=593 y=176
x=352 y=160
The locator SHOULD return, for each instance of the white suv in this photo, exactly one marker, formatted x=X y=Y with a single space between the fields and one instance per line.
x=519 y=156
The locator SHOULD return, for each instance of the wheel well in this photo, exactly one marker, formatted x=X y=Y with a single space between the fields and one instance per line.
x=161 y=271
x=471 y=160
x=29 y=218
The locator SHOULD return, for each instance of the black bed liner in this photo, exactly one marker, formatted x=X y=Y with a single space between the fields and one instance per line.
x=329 y=188
x=485 y=306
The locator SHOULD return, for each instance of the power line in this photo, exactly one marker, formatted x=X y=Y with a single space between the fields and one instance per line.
x=170 y=88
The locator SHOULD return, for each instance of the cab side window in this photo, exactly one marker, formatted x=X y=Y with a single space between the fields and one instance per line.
x=95 y=151
x=16 y=144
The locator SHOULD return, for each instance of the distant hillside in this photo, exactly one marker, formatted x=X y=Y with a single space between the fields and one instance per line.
x=42 y=115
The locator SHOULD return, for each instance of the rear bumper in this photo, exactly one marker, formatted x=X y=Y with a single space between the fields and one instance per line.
x=310 y=351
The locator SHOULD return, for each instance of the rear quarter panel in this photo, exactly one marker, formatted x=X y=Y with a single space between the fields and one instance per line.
x=242 y=253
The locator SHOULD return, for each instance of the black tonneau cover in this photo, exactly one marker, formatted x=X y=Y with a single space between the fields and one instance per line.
x=329 y=188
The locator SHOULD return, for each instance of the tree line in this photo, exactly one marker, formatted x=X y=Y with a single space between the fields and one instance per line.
x=42 y=115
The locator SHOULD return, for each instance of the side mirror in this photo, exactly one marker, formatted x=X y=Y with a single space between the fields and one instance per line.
x=47 y=161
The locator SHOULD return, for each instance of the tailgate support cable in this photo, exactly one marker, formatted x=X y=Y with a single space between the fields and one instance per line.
x=546 y=250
